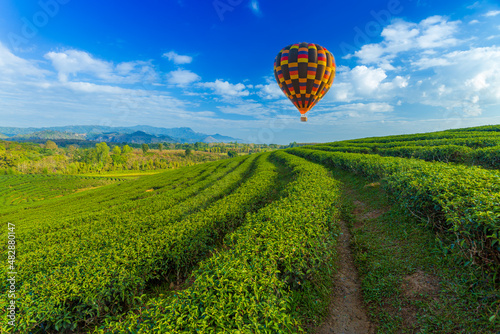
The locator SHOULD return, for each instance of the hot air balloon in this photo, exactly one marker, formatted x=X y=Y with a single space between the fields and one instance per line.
x=304 y=72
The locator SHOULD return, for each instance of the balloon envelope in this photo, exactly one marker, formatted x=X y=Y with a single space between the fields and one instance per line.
x=304 y=72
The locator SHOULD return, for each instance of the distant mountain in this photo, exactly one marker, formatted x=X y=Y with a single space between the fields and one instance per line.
x=2 y=136
x=47 y=134
x=136 y=134
x=209 y=140
x=225 y=139
x=138 y=137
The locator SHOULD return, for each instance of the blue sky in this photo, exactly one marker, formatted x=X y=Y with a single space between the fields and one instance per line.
x=403 y=66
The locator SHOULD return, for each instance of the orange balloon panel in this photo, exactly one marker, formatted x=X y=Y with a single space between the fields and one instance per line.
x=305 y=73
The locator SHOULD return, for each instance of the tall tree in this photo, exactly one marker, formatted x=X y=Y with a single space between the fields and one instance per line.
x=50 y=145
x=126 y=149
x=117 y=156
x=102 y=150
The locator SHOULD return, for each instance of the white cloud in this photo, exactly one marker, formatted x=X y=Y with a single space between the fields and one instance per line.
x=225 y=88
x=182 y=77
x=364 y=82
x=400 y=82
x=437 y=32
x=401 y=36
x=479 y=81
x=177 y=58
x=73 y=63
x=474 y=22
x=88 y=87
x=255 y=7
x=453 y=86
x=354 y=112
x=361 y=109
x=13 y=66
x=252 y=109
x=474 y=5
x=492 y=13
x=369 y=107
x=269 y=91
x=426 y=62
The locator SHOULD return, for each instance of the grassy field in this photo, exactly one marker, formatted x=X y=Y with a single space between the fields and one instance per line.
x=407 y=226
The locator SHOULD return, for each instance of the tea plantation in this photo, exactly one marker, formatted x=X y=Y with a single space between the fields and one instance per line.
x=242 y=245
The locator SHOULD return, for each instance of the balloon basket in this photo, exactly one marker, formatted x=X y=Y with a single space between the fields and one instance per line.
x=303 y=118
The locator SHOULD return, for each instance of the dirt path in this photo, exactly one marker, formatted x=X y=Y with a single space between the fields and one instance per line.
x=347 y=314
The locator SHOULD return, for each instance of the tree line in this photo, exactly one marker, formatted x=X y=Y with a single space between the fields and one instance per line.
x=50 y=158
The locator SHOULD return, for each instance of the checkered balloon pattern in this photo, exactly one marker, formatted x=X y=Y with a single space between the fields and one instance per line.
x=304 y=72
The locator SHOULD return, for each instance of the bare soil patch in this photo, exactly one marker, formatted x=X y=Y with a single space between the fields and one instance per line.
x=420 y=283
x=85 y=189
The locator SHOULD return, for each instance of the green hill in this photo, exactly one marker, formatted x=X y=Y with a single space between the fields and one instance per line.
x=253 y=244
